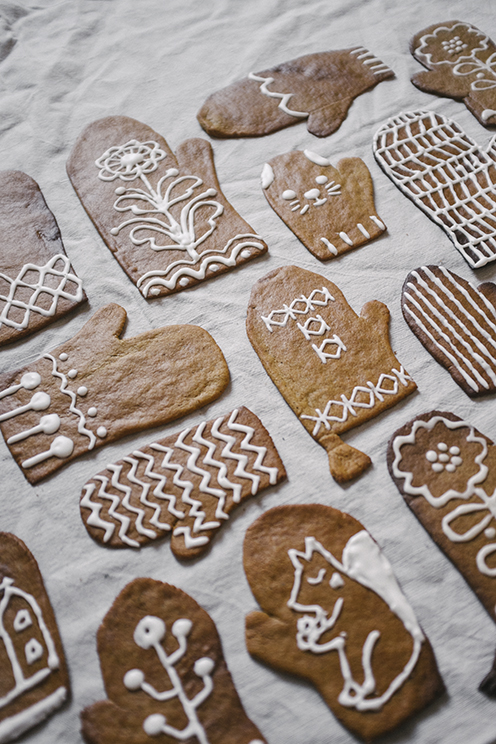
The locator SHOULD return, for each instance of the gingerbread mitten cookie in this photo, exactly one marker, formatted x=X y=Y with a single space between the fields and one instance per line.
x=333 y=613
x=446 y=471
x=447 y=175
x=33 y=675
x=37 y=282
x=460 y=63
x=164 y=674
x=334 y=368
x=331 y=210
x=163 y=216
x=317 y=87
x=97 y=387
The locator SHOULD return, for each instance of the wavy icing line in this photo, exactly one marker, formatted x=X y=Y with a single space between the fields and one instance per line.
x=72 y=408
x=284 y=97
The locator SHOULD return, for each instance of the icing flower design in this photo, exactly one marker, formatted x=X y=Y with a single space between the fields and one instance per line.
x=444 y=458
x=129 y=161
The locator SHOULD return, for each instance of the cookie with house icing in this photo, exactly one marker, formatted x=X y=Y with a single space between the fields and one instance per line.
x=333 y=613
x=459 y=62
x=37 y=282
x=164 y=674
x=185 y=485
x=447 y=175
x=446 y=471
x=456 y=322
x=96 y=388
x=33 y=681
x=336 y=369
x=318 y=88
x=162 y=214
x=331 y=210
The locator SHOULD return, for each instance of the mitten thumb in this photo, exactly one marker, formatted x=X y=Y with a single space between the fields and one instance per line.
x=195 y=156
x=377 y=314
x=106 y=324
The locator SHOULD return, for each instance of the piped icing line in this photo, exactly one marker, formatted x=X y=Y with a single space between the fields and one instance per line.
x=39 y=402
x=246 y=445
x=284 y=97
x=122 y=519
x=291 y=311
x=49 y=424
x=29 y=381
x=332 y=248
x=241 y=460
x=145 y=487
x=374 y=64
x=116 y=471
x=61 y=447
x=72 y=408
x=14 y=726
x=205 y=475
x=95 y=508
x=222 y=478
x=158 y=491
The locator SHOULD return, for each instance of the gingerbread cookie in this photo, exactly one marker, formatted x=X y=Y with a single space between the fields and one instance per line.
x=333 y=613
x=33 y=675
x=331 y=210
x=459 y=60
x=97 y=388
x=163 y=216
x=334 y=368
x=37 y=282
x=186 y=484
x=447 y=175
x=446 y=471
x=317 y=87
x=456 y=323
x=164 y=674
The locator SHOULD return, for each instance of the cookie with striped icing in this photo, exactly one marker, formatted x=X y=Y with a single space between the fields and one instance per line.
x=185 y=485
x=456 y=322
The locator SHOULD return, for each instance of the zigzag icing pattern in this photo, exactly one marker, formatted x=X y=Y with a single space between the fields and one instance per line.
x=72 y=395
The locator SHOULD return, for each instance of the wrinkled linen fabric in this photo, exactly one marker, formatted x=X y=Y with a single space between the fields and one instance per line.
x=66 y=63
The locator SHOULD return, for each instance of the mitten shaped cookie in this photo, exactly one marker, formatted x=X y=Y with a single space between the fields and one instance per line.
x=317 y=87
x=33 y=675
x=96 y=388
x=186 y=484
x=446 y=471
x=331 y=210
x=460 y=63
x=37 y=282
x=164 y=674
x=334 y=614
x=334 y=368
x=456 y=322
x=163 y=216
x=447 y=175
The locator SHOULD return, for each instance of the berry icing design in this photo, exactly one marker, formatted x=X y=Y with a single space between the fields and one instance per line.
x=163 y=216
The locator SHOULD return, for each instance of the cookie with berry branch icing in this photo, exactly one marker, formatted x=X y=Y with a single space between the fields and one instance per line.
x=162 y=215
x=96 y=388
x=164 y=674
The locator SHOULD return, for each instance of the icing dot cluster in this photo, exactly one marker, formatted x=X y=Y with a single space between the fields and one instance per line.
x=444 y=458
x=454 y=45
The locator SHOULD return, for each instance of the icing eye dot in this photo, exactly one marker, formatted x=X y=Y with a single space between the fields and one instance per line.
x=321 y=179
x=454 y=450
x=288 y=194
x=72 y=373
x=437 y=467
x=490 y=532
x=444 y=458
x=101 y=432
x=83 y=390
x=63 y=357
x=92 y=411
x=431 y=456
x=442 y=447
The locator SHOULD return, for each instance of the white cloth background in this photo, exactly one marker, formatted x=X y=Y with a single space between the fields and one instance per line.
x=65 y=64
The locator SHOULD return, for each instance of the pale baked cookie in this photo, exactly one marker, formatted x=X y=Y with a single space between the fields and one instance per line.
x=163 y=215
x=185 y=485
x=334 y=368
x=459 y=60
x=37 y=282
x=331 y=210
x=334 y=614
x=447 y=175
x=97 y=388
x=317 y=87
x=164 y=674
x=33 y=675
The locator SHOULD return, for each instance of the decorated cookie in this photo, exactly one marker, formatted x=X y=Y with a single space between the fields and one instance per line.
x=447 y=175
x=33 y=675
x=331 y=210
x=446 y=472
x=317 y=87
x=334 y=368
x=163 y=216
x=37 y=282
x=186 y=485
x=456 y=323
x=459 y=60
x=97 y=387
x=333 y=613
x=164 y=674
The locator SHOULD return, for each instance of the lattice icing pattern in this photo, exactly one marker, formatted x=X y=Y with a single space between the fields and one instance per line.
x=185 y=485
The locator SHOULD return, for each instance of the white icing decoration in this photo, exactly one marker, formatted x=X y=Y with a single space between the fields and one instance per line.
x=373 y=63
x=330 y=246
x=214 y=267
x=72 y=373
x=14 y=726
x=316 y=158
x=267 y=176
x=49 y=424
x=61 y=447
x=82 y=391
x=346 y=238
x=312 y=194
x=309 y=303
x=283 y=103
x=336 y=581
x=246 y=253
x=321 y=180
x=33 y=650
x=487 y=114
x=288 y=194
x=183 y=282
x=362 y=229
x=39 y=402
x=63 y=356
x=72 y=395
x=22 y=620
x=129 y=161
x=490 y=533
x=92 y=411
x=102 y=432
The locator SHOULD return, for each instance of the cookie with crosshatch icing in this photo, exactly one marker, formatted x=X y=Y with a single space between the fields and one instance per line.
x=333 y=613
x=164 y=674
x=331 y=210
x=37 y=282
x=96 y=388
x=33 y=681
x=334 y=368
x=163 y=215
x=459 y=60
x=185 y=485
x=319 y=88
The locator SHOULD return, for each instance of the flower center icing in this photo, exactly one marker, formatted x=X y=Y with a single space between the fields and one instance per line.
x=444 y=458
